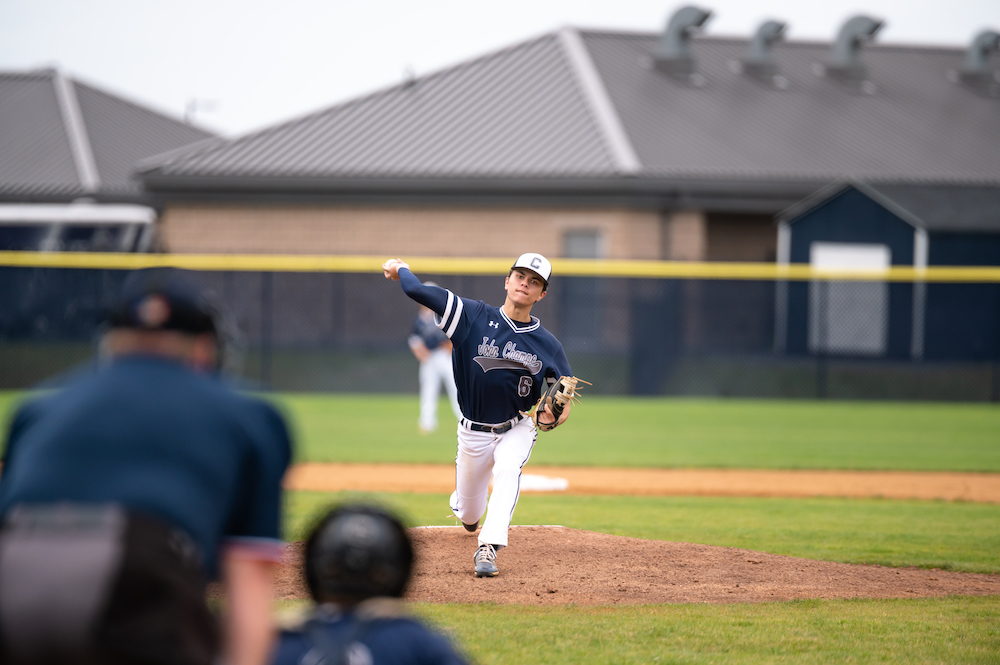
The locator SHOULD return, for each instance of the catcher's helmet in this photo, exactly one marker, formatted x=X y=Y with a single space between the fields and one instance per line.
x=358 y=551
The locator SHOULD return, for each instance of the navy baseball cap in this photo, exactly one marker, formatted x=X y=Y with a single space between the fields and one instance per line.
x=535 y=263
x=163 y=299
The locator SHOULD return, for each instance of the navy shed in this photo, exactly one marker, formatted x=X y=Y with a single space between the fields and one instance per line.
x=859 y=225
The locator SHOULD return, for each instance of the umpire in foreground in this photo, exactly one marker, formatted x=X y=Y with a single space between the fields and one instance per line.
x=124 y=492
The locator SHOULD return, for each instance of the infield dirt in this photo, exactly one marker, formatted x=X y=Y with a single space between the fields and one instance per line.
x=558 y=565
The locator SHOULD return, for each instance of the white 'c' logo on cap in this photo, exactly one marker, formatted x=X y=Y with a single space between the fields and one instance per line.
x=536 y=262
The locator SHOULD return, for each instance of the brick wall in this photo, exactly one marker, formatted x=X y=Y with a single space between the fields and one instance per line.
x=685 y=236
x=188 y=228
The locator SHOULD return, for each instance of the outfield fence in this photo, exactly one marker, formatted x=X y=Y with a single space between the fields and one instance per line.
x=314 y=323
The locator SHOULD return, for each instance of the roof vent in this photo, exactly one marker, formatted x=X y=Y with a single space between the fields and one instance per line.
x=673 y=56
x=976 y=72
x=844 y=63
x=759 y=62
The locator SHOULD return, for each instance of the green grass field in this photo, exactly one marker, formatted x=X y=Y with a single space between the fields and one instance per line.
x=952 y=630
x=663 y=432
x=940 y=630
x=706 y=433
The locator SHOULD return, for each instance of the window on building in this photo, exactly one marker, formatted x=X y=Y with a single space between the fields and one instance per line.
x=585 y=244
x=581 y=324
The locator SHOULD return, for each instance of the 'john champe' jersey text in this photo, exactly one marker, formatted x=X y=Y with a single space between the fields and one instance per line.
x=500 y=364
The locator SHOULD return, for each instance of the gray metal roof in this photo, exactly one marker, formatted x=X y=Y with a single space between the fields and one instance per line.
x=586 y=110
x=943 y=208
x=936 y=208
x=510 y=113
x=916 y=126
x=61 y=139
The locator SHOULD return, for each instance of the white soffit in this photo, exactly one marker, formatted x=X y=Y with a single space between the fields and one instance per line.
x=75 y=213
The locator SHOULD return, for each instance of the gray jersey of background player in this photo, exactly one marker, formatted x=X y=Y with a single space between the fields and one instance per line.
x=432 y=348
x=503 y=359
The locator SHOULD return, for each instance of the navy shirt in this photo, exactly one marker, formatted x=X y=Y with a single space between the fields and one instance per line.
x=160 y=439
x=389 y=641
x=426 y=330
x=500 y=365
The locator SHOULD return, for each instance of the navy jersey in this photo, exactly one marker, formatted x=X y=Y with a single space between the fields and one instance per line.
x=388 y=641
x=425 y=329
x=500 y=365
x=159 y=439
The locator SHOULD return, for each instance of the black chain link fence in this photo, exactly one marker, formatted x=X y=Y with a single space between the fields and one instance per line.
x=347 y=332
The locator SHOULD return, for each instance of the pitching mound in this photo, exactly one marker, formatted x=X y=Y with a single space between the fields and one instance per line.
x=556 y=565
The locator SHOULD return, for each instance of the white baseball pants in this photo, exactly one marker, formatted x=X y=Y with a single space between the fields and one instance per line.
x=484 y=454
x=435 y=372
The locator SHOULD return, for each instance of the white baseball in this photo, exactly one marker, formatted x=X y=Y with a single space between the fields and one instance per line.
x=391 y=268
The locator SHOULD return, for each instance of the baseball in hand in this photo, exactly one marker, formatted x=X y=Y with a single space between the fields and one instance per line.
x=391 y=268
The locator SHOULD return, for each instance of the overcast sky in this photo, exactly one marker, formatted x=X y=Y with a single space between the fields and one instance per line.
x=253 y=63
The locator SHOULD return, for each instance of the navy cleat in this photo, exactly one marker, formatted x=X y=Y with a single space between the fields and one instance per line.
x=485 y=558
x=471 y=528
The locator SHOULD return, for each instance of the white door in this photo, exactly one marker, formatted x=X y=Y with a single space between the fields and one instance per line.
x=849 y=317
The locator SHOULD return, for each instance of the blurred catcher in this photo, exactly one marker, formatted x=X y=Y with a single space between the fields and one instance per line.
x=357 y=563
x=124 y=492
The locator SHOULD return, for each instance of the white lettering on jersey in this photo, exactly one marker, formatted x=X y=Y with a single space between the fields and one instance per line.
x=488 y=349
x=529 y=360
x=489 y=357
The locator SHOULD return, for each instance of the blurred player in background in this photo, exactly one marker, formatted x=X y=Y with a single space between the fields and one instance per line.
x=433 y=349
x=358 y=561
x=125 y=491
x=503 y=358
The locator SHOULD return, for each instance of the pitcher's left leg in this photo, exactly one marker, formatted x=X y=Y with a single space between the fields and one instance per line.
x=511 y=453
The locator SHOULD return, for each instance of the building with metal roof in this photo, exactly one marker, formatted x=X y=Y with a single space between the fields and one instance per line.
x=68 y=152
x=595 y=143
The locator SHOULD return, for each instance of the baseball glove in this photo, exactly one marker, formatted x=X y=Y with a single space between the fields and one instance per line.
x=554 y=401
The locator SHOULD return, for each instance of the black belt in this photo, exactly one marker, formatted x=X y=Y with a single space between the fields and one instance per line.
x=493 y=429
